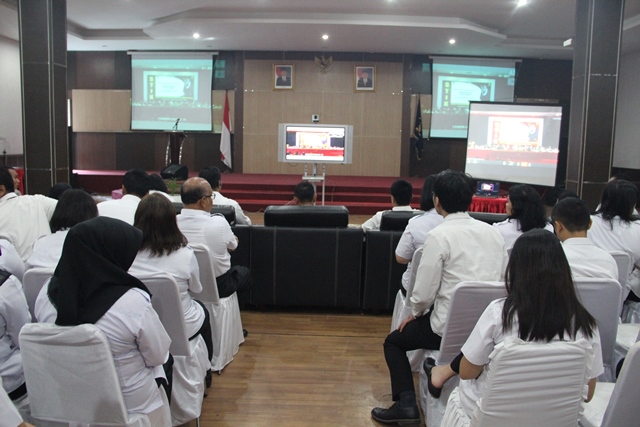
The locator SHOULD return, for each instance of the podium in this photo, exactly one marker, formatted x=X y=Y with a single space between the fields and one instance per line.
x=173 y=156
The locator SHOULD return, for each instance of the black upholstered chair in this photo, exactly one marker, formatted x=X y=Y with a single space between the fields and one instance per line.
x=306 y=216
x=227 y=211
x=489 y=218
x=396 y=220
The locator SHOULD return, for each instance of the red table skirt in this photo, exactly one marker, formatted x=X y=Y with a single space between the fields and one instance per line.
x=488 y=204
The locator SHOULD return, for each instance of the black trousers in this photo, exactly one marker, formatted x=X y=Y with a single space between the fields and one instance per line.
x=205 y=330
x=416 y=334
x=237 y=279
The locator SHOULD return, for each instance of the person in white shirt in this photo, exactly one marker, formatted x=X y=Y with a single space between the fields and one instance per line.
x=615 y=226
x=199 y=226
x=401 y=195
x=460 y=249
x=10 y=259
x=525 y=212
x=157 y=185
x=417 y=229
x=164 y=249
x=539 y=286
x=73 y=207
x=214 y=177
x=9 y=414
x=571 y=221
x=91 y=285
x=24 y=218
x=135 y=185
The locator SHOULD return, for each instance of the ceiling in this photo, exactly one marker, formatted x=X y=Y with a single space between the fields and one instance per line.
x=480 y=27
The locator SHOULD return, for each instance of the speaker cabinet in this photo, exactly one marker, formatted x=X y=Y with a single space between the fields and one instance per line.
x=175 y=171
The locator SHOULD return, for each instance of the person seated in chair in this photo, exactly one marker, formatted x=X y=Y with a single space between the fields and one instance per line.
x=135 y=186
x=199 y=226
x=460 y=249
x=571 y=221
x=214 y=177
x=304 y=194
x=91 y=285
x=539 y=286
x=401 y=195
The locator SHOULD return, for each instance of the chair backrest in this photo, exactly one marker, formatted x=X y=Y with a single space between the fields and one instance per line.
x=623 y=260
x=489 y=218
x=468 y=302
x=623 y=405
x=306 y=216
x=534 y=384
x=601 y=298
x=71 y=375
x=396 y=220
x=413 y=270
x=227 y=211
x=166 y=302
x=207 y=276
x=32 y=282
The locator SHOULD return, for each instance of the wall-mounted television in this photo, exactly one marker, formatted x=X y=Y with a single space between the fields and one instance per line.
x=315 y=143
x=513 y=142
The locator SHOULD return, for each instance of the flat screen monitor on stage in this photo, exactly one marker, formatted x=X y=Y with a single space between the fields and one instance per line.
x=304 y=143
x=513 y=142
x=171 y=91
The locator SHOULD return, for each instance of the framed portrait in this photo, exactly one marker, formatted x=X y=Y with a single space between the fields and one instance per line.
x=283 y=76
x=364 y=78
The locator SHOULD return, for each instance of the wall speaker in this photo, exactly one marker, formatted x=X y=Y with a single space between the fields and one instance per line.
x=174 y=171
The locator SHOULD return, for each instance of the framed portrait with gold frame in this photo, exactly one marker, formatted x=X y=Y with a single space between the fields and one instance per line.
x=364 y=78
x=283 y=75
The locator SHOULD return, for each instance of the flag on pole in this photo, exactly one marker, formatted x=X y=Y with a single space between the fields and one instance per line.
x=417 y=131
x=225 y=136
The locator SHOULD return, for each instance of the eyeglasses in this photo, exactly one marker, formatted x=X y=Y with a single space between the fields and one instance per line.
x=212 y=196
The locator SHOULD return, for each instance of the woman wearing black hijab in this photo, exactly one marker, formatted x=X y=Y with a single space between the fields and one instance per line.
x=91 y=285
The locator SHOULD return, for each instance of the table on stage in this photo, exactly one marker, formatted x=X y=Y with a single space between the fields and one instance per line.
x=488 y=204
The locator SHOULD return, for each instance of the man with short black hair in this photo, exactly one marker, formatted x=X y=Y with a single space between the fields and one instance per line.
x=304 y=194
x=214 y=177
x=460 y=249
x=401 y=195
x=135 y=186
x=571 y=221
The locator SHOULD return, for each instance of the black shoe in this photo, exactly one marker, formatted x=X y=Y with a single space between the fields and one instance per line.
x=428 y=365
x=245 y=333
x=207 y=378
x=397 y=415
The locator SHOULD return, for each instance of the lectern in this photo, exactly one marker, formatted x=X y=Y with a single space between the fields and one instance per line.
x=173 y=157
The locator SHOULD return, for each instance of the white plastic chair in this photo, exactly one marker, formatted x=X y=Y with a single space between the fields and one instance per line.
x=528 y=384
x=72 y=379
x=601 y=298
x=628 y=334
x=191 y=361
x=468 y=302
x=226 y=324
x=631 y=309
x=616 y=405
x=32 y=282
x=402 y=308
x=624 y=263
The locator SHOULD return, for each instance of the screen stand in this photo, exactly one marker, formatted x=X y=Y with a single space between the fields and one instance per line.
x=315 y=178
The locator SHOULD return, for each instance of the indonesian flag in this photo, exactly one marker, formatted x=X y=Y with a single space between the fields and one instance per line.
x=225 y=137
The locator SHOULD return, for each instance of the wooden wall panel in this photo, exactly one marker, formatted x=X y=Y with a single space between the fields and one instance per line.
x=101 y=110
x=94 y=151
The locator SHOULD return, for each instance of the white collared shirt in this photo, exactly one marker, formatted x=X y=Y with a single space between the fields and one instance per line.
x=10 y=259
x=510 y=230
x=588 y=260
x=47 y=250
x=373 y=223
x=123 y=209
x=460 y=249
x=241 y=218
x=14 y=314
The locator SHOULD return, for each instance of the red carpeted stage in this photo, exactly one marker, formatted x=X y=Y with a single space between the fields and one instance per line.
x=361 y=195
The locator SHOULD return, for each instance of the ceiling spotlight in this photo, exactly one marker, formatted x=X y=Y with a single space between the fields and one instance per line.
x=325 y=37
x=196 y=35
x=522 y=2
x=452 y=41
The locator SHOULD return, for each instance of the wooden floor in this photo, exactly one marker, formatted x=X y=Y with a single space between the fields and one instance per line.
x=301 y=369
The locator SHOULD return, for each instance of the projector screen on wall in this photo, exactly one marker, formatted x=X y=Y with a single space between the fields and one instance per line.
x=458 y=81
x=514 y=142
x=171 y=91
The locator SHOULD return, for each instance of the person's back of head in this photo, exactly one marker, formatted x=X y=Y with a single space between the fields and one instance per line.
x=157 y=183
x=136 y=182
x=550 y=196
x=56 y=190
x=454 y=191
x=6 y=181
x=74 y=207
x=156 y=217
x=541 y=300
x=572 y=214
x=402 y=192
x=304 y=193
x=619 y=198
x=564 y=194
x=213 y=176
x=426 y=196
x=193 y=190
x=526 y=207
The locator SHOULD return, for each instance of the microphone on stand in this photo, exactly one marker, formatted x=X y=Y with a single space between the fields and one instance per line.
x=175 y=127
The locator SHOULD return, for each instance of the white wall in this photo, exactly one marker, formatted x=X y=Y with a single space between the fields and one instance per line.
x=10 y=97
x=626 y=151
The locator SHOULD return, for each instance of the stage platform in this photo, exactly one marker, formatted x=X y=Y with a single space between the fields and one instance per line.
x=254 y=192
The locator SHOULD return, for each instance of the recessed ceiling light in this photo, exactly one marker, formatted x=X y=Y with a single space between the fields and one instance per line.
x=452 y=41
x=325 y=37
x=522 y=2
x=196 y=35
